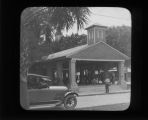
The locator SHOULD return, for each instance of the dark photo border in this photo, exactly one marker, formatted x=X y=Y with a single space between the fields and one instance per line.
x=10 y=56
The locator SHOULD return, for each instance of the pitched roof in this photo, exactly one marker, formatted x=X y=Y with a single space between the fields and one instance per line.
x=96 y=25
x=65 y=52
x=100 y=51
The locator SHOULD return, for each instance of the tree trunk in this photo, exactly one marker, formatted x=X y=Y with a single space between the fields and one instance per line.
x=24 y=65
x=24 y=98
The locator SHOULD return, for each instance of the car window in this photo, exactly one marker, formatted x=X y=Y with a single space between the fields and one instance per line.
x=36 y=82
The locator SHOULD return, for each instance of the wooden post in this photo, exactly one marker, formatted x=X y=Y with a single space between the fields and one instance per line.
x=122 y=81
x=72 y=75
x=60 y=71
x=50 y=70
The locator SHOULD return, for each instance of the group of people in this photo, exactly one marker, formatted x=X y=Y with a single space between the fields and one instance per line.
x=105 y=77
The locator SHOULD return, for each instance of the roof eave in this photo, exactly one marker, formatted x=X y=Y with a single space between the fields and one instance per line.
x=95 y=26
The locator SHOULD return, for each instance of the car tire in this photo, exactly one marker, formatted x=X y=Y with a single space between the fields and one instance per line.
x=70 y=102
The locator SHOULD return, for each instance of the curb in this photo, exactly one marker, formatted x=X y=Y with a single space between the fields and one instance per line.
x=104 y=93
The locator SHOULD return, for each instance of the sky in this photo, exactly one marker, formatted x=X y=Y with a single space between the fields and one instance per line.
x=107 y=16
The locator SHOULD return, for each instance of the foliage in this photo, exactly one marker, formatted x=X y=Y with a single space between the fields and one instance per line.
x=68 y=42
x=37 y=21
x=120 y=38
x=41 y=18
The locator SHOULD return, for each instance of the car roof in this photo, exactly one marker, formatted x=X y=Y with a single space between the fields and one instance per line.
x=38 y=75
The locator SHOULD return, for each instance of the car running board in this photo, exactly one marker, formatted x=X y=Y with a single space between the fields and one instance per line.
x=41 y=106
x=32 y=107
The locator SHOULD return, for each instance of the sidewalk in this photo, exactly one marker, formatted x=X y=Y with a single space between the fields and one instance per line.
x=100 y=89
x=99 y=100
x=113 y=107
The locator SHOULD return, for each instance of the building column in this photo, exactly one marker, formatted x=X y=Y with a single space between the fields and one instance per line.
x=122 y=81
x=72 y=75
x=49 y=71
x=60 y=72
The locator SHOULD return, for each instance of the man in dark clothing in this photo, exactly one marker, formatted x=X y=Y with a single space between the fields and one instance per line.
x=107 y=80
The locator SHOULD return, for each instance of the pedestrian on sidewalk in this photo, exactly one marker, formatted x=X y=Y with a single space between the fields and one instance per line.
x=107 y=80
x=107 y=84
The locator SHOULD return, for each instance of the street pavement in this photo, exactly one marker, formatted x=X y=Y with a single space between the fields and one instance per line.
x=116 y=101
x=105 y=99
x=113 y=107
x=92 y=97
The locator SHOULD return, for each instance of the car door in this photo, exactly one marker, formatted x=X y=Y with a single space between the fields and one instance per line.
x=58 y=92
x=44 y=91
x=38 y=90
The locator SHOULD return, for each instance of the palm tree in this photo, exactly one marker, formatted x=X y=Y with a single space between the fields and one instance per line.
x=55 y=18
x=66 y=17
x=49 y=21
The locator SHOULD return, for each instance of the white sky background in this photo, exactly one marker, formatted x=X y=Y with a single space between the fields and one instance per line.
x=107 y=16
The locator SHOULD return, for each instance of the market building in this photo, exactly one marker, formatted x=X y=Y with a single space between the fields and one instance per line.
x=83 y=65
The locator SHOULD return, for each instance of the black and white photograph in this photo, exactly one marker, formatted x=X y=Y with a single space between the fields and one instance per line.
x=75 y=58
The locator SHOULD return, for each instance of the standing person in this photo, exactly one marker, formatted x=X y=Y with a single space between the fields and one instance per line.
x=107 y=79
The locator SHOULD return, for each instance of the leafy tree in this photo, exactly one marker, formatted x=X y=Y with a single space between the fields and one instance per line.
x=37 y=21
x=120 y=38
x=68 y=42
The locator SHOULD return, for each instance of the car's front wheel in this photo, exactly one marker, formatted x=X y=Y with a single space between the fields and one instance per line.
x=70 y=102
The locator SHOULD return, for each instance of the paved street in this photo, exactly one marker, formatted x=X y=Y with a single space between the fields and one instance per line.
x=113 y=107
x=113 y=102
x=106 y=99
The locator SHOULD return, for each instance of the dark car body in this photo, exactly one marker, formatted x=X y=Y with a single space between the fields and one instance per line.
x=41 y=91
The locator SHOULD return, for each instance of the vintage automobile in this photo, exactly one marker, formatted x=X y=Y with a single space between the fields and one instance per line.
x=43 y=92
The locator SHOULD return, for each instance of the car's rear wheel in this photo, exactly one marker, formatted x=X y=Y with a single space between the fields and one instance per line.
x=70 y=102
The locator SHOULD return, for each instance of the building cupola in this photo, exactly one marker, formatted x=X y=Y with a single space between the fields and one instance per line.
x=95 y=34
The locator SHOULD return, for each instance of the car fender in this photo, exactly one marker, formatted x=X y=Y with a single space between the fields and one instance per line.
x=70 y=93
